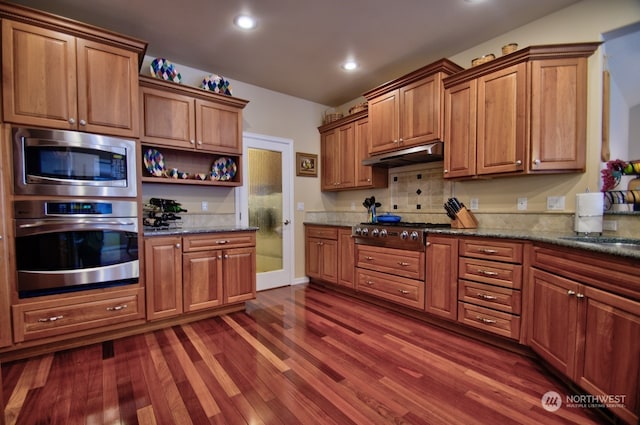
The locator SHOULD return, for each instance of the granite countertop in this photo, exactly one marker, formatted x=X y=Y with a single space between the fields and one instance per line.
x=566 y=239
x=197 y=230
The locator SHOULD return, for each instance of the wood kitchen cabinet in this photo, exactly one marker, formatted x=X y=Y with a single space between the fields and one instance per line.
x=321 y=253
x=163 y=276
x=346 y=258
x=408 y=111
x=589 y=334
x=189 y=118
x=69 y=76
x=524 y=113
x=441 y=292
x=199 y=272
x=344 y=144
x=5 y=290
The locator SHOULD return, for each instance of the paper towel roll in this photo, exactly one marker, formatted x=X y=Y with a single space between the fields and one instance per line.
x=589 y=210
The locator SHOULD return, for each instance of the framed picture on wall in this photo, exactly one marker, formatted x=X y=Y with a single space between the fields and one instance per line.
x=307 y=164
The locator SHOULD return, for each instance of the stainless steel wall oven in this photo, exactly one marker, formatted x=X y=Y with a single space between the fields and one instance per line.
x=75 y=244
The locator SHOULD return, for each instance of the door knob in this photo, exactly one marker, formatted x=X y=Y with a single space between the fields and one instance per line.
x=287 y=221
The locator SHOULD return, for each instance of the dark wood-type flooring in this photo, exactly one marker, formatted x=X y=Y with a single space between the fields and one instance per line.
x=298 y=355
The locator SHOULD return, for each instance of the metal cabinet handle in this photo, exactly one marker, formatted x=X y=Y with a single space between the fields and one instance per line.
x=118 y=307
x=403 y=264
x=178 y=246
x=570 y=292
x=219 y=257
x=487 y=272
x=225 y=241
x=368 y=282
x=193 y=142
x=445 y=171
x=518 y=162
x=368 y=258
x=226 y=255
x=72 y=121
x=50 y=319
x=486 y=297
x=485 y=320
x=488 y=251
x=403 y=291
x=83 y=122
x=536 y=162
x=579 y=295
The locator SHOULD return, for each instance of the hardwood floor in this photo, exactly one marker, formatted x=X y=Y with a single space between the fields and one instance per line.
x=298 y=355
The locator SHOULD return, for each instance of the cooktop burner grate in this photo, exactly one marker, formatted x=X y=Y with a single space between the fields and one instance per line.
x=410 y=224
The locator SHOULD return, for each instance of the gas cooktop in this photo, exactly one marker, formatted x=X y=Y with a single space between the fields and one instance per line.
x=410 y=224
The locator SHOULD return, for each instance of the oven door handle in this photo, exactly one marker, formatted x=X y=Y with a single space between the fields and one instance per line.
x=43 y=223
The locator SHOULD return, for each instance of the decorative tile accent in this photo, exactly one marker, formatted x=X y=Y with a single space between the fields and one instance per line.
x=421 y=189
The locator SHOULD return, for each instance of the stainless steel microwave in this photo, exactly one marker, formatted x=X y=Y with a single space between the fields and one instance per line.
x=71 y=163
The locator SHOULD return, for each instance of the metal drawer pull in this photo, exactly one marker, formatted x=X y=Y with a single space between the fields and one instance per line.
x=224 y=241
x=50 y=319
x=366 y=257
x=486 y=297
x=488 y=251
x=403 y=264
x=570 y=292
x=487 y=272
x=118 y=307
x=579 y=295
x=485 y=320
x=403 y=291
x=368 y=282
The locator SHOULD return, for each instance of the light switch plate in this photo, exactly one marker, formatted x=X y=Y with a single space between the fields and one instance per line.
x=300 y=206
x=473 y=203
x=522 y=204
x=555 y=203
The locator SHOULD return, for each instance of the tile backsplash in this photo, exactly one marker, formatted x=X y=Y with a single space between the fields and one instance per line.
x=419 y=189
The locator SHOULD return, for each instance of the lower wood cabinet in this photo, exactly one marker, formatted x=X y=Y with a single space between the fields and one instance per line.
x=442 y=276
x=346 y=258
x=50 y=318
x=190 y=273
x=590 y=335
x=321 y=253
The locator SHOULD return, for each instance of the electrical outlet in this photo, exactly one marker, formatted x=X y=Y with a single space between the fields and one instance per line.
x=204 y=206
x=522 y=204
x=353 y=206
x=611 y=225
x=555 y=203
x=473 y=203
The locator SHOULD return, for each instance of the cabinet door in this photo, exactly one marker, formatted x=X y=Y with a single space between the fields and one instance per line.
x=420 y=120
x=501 y=131
x=346 y=258
x=609 y=353
x=329 y=154
x=218 y=127
x=239 y=271
x=167 y=118
x=163 y=276
x=558 y=114
x=364 y=173
x=329 y=261
x=347 y=156
x=442 y=276
x=202 y=279
x=39 y=76
x=553 y=319
x=313 y=259
x=460 y=130
x=384 y=122
x=107 y=89
x=5 y=321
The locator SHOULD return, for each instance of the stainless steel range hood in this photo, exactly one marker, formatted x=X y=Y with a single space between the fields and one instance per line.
x=413 y=155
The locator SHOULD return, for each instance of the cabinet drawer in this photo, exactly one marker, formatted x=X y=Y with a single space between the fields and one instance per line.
x=491 y=272
x=499 y=298
x=56 y=317
x=388 y=260
x=218 y=240
x=497 y=322
x=491 y=249
x=322 y=232
x=393 y=288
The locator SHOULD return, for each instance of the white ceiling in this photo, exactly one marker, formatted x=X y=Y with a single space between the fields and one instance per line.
x=299 y=45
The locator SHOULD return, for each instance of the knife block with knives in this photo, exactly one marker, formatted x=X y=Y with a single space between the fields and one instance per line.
x=461 y=216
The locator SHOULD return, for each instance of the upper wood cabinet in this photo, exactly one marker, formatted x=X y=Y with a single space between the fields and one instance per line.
x=190 y=118
x=5 y=289
x=70 y=77
x=524 y=113
x=344 y=144
x=408 y=111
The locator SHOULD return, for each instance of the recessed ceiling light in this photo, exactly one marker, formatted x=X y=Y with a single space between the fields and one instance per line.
x=245 y=22
x=350 y=65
